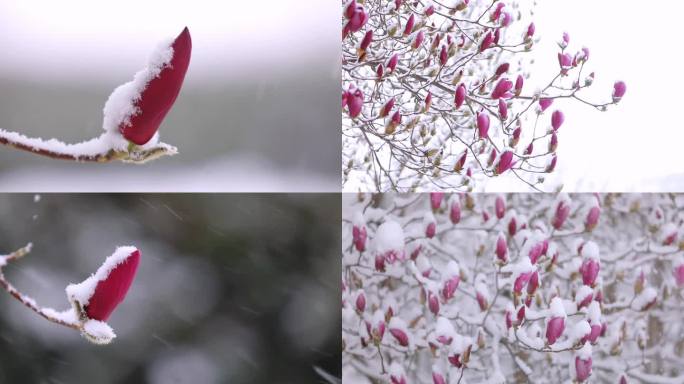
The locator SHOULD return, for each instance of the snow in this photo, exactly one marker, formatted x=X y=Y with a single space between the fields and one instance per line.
x=644 y=298
x=389 y=237
x=82 y=292
x=443 y=327
x=452 y=270
x=120 y=105
x=594 y=312
x=67 y=316
x=36 y=198
x=590 y=250
x=98 y=332
x=557 y=309
x=358 y=219
x=579 y=330
x=585 y=352
x=582 y=293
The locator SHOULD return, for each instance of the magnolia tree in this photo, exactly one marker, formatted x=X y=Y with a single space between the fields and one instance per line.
x=434 y=95
x=92 y=301
x=513 y=288
x=132 y=114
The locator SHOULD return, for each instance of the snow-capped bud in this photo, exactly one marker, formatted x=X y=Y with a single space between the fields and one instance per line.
x=533 y=283
x=151 y=100
x=505 y=162
x=486 y=41
x=452 y=279
x=553 y=143
x=512 y=226
x=503 y=109
x=455 y=211
x=392 y=62
x=97 y=296
x=678 y=273
x=360 y=301
x=503 y=89
x=583 y=363
x=535 y=252
x=485 y=216
x=584 y=296
x=483 y=124
x=545 y=103
x=355 y=102
x=418 y=40
x=400 y=336
x=436 y=200
x=497 y=11
x=443 y=56
x=520 y=282
x=359 y=236
x=433 y=303
x=501 y=248
x=557 y=119
x=482 y=301
x=516 y=137
x=530 y=31
x=438 y=378
x=397 y=375
x=501 y=69
x=589 y=270
x=387 y=108
x=460 y=95
x=554 y=329
x=669 y=234
x=592 y=218
x=500 y=207
x=619 y=89
x=562 y=213
x=565 y=62
x=409 y=25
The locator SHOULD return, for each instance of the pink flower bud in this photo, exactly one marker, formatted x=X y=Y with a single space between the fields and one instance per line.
x=430 y=230
x=492 y=157
x=380 y=71
x=554 y=329
x=520 y=282
x=450 y=287
x=535 y=252
x=443 y=55
x=505 y=162
x=418 y=40
x=501 y=249
x=361 y=302
x=429 y=10
x=585 y=300
x=501 y=69
x=455 y=212
x=428 y=101
x=619 y=89
x=529 y=149
x=679 y=275
x=593 y=334
x=461 y=162
x=487 y=41
x=367 y=38
x=350 y=9
x=565 y=41
x=519 y=85
x=592 y=218
x=583 y=368
x=557 y=119
x=506 y=20
x=358 y=19
x=500 y=207
x=481 y=301
x=460 y=95
x=545 y=103
x=436 y=200
x=437 y=378
x=392 y=62
x=516 y=137
x=562 y=213
x=497 y=11
x=565 y=62
x=502 y=89
x=380 y=263
x=483 y=124
x=158 y=95
x=520 y=315
x=400 y=336
x=397 y=4
x=355 y=102
x=409 y=25
x=485 y=216
x=553 y=143
x=359 y=236
x=552 y=164
x=589 y=270
x=508 y=319
x=433 y=303
x=533 y=284
x=530 y=31
x=385 y=110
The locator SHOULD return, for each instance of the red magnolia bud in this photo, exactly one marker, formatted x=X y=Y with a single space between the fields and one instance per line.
x=409 y=25
x=678 y=273
x=437 y=378
x=557 y=119
x=565 y=62
x=443 y=55
x=530 y=31
x=429 y=10
x=505 y=162
x=361 y=301
x=589 y=271
x=592 y=218
x=455 y=212
x=354 y=102
x=367 y=38
x=358 y=19
x=359 y=236
x=492 y=157
x=461 y=162
x=519 y=85
x=501 y=248
x=483 y=124
x=619 y=89
x=350 y=9
x=553 y=143
x=583 y=367
x=497 y=11
x=392 y=62
x=460 y=95
x=562 y=213
x=428 y=101
x=385 y=110
x=433 y=303
x=500 y=207
x=529 y=149
x=501 y=69
x=380 y=71
x=533 y=284
x=552 y=164
x=502 y=89
x=400 y=336
x=512 y=227
x=148 y=98
x=418 y=40
x=436 y=200
x=503 y=109
x=487 y=41
x=545 y=103
x=103 y=291
x=516 y=137
x=554 y=329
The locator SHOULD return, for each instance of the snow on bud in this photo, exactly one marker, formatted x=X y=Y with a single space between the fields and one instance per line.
x=645 y=300
x=503 y=109
x=556 y=325
x=521 y=281
x=589 y=270
x=562 y=211
x=502 y=89
x=592 y=218
x=619 y=89
x=584 y=296
x=668 y=234
x=376 y=326
x=486 y=41
x=409 y=25
x=545 y=103
x=583 y=363
x=430 y=225
x=451 y=279
x=501 y=248
x=397 y=375
x=360 y=301
x=483 y=124
x=387 y=108
x=500 y=207
x=529 y=149
x=399 y=330
x=460 y=95
x=137 y=109
x=436 y=200
x=455 y=211
x=437 y=377
x=505 y=162
x=557 y=119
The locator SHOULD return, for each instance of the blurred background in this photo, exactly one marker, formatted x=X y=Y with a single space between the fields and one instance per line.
x=230 y=289
x=259 y=109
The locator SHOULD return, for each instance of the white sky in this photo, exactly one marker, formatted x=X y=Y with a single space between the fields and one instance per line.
x=636 y=145
x=86 y=39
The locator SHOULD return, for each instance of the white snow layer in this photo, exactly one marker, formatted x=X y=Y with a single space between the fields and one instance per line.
x=120 y=105
x=98 y=332
x=389 y=237
x=82 y=292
